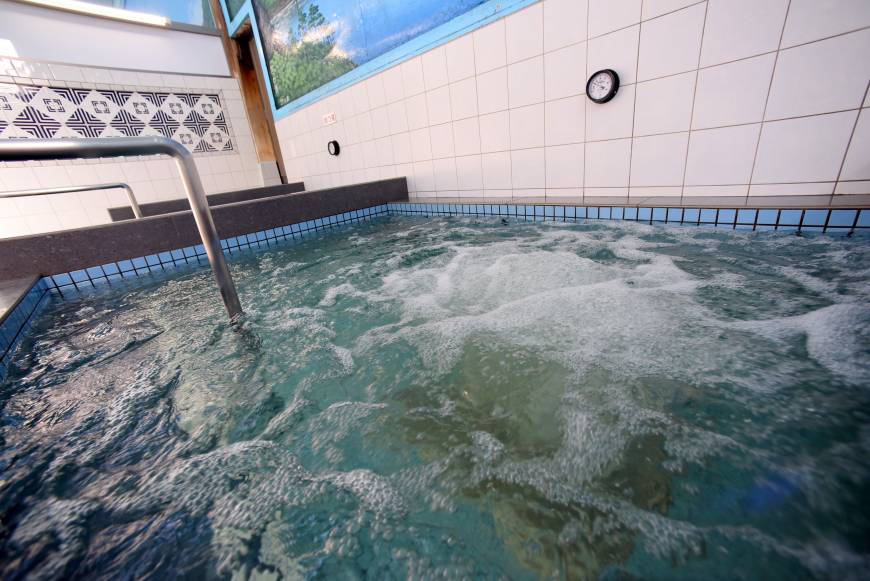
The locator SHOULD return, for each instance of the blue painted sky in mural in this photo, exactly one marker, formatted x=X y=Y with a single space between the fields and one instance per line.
x=308 y=43
x=366 y=29
x=369 y=28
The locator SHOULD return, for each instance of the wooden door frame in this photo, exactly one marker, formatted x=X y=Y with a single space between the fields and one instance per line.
x=242 y=60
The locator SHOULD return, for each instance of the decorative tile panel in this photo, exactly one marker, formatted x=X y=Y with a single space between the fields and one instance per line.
x=195 y=120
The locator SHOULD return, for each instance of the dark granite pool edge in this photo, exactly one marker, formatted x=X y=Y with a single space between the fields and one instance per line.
x=70 y=250
x=181 y=204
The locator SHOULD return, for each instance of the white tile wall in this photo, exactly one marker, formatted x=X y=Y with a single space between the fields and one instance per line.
x=718 y=97
x=152 y=178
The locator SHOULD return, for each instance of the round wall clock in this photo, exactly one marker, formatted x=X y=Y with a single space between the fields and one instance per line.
x=333 y=147
x=602 y=86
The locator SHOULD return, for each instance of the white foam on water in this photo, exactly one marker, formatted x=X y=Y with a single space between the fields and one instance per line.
x=373 y=490
x=837 y=337
x=607 y=306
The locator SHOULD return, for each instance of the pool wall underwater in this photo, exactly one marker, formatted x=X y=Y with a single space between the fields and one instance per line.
x=18 y=320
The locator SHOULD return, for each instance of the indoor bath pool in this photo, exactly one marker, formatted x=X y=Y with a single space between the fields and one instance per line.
x=454 y=397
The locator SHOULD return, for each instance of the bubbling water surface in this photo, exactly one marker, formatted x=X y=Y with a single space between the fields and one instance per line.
x=455 y=398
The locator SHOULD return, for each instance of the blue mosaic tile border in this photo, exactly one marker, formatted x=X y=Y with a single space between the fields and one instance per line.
x=16 y=325
x=71 y=282
x=830 y=221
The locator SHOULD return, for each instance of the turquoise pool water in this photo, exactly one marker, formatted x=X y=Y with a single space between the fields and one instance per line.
x=455 y=398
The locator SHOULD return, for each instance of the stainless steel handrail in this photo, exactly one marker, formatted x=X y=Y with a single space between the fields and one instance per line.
x=44 y=149
x=137 y=211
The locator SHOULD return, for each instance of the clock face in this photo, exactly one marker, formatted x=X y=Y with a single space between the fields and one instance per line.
x=602 y=86
x=333 y=148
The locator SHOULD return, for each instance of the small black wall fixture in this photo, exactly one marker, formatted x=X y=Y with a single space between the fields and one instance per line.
x=333 y=148
x=602 y=86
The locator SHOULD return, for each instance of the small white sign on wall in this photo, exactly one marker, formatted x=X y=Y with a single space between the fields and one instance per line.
x=330 y=118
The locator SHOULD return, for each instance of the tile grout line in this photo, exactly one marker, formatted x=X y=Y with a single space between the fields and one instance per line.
x=694 y=98
x=849 y=143
x=477 y=94
x=544 y=88
x=634 y=102
x=767 y=100
x=683 y=186
x=510 y=137
x=644 y=135
x=585 y=110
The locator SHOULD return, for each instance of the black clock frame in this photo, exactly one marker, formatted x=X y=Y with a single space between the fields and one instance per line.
x=333 y=148
x=611 y=94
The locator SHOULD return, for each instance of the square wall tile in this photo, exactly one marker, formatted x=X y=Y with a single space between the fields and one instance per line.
x=435 y=68
x=438 y=105
x=23 y=178
x=526 y=82
x=857 y=166
x=394 y=86
x=732 y=93
x=380 y=122
x=609 y=15
x=421 y=144
x=460 y=58
x=857 y=187
x=490 y=50
x=442 y=140
x=565 y=121
x=821 y=77
x=398 y=117
x=402 y=152
x=659 y=160
x=617 y=51
x=810 y=20
x=613 y=119
x=466 y=135
x=416 y=109
x=809 y=149
x=445 y=174
x=492 y=91
x=528 y=168
x=423 y=178
x=384 y=147
x=463 y=99
x=664 y=105
x=565 y=72
x=607 y=163
x=653 y=8
x=375 y=89
x=565 y=166
x=412 y=77
x=671 y=44
x=524 y=33
x=729 y=35
x=564 y=23
x=527 y=126
x=469 y=172
x=497 y=171
x=722 y=156
x=495 y=132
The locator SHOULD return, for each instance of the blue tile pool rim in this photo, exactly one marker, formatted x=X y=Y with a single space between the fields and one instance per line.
x=834 y=221
x=19 y=320
x=843 y=221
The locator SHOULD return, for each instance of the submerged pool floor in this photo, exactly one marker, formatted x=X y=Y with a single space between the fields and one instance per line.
x=453 y=398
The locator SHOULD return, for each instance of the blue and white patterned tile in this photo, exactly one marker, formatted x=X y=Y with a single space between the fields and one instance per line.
x=195 y=120
x=53 y=104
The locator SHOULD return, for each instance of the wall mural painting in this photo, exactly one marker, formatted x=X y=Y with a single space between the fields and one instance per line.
x=308 y=43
